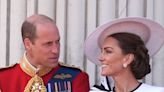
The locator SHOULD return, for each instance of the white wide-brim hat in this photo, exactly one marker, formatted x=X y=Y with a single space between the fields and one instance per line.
x=150 y=32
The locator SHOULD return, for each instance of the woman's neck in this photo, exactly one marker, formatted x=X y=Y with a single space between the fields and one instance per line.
x=125 y=82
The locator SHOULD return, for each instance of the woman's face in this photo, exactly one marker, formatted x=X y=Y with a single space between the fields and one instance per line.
x=111 y=57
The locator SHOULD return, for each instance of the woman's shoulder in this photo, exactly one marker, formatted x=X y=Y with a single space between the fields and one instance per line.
x=149 y=88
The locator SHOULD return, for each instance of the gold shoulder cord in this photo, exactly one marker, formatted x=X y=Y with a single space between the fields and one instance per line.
x=35 y=84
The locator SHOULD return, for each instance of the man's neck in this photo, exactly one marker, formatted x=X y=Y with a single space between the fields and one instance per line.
x=32 y=70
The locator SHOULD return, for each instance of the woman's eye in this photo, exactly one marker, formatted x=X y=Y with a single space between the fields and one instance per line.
x=108 y=51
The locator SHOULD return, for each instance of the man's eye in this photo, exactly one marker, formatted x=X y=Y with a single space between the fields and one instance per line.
x=48 y=43
x=57 y=42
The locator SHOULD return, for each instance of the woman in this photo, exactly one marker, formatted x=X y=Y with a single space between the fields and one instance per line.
x=123 y=49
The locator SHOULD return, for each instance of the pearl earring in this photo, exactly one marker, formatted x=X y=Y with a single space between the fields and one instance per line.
x=124 y=65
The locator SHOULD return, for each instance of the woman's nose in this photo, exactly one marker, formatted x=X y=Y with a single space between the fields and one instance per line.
x=101 y=58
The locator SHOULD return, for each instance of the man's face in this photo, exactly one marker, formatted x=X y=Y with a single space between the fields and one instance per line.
x=44 y=52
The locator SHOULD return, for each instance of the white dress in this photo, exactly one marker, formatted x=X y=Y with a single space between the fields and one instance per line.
x=141 y=88
x=148 y=88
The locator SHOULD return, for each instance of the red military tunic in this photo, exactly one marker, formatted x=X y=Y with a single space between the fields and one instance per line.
x=14 y=79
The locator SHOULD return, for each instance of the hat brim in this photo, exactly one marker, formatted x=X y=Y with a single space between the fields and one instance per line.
x=153 y=37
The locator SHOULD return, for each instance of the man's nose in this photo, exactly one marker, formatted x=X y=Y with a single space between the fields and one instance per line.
x=55 y=49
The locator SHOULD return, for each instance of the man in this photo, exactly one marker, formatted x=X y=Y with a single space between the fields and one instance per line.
x=39 y=70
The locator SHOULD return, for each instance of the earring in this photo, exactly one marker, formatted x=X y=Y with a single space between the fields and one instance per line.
x=124 y=65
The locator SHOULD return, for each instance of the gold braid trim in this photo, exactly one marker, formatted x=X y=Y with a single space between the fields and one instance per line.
x=35 y=84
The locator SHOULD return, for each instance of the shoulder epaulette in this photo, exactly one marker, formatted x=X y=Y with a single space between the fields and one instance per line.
x=69 y=66
x=62 y=80
x=7 y=67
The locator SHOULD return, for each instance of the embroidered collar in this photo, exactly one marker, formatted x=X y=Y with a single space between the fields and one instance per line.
x=30 y=69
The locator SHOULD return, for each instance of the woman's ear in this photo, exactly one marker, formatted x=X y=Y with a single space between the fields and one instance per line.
x=128 y=59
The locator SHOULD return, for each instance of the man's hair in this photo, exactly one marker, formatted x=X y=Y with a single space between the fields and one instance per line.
x=29 y=26
x=131 y=43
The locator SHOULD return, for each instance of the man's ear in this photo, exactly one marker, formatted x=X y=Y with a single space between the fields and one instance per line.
x=128 y=59
x=27 y=43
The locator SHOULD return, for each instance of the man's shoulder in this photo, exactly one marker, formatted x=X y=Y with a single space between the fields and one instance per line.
x=66 y=72
x=72 y=67
x=8 y=68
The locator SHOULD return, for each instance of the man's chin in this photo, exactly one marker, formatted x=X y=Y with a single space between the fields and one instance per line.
x=53 y=65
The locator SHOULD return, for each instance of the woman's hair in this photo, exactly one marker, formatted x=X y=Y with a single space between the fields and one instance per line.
x=131 y=43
